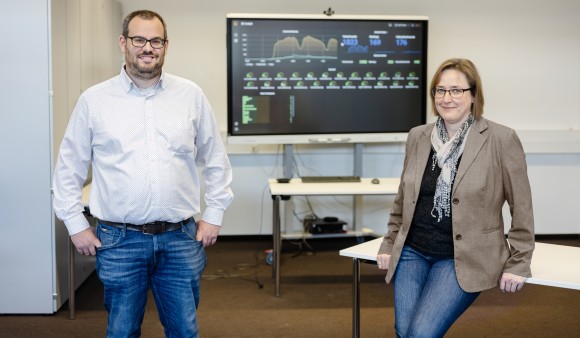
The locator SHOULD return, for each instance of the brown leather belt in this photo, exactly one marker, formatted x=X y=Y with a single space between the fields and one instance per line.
x=152 y=228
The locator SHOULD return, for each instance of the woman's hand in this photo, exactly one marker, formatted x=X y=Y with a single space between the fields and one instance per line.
x=511 y=283
x=383 y=261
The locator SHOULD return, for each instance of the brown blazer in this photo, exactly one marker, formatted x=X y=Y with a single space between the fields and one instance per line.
x=492 y=171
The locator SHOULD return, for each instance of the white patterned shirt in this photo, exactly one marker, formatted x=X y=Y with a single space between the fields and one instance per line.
x=143 y=148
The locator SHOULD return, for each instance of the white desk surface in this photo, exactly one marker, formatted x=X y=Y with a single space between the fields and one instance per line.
x=556 y=265
x=367 y=250
x=552 y=265
x=386 y=186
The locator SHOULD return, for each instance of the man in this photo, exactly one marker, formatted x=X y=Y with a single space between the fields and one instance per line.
x=143 y=132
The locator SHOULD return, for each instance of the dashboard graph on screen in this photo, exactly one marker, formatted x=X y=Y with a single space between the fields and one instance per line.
x=276 y=47
x=343 y=77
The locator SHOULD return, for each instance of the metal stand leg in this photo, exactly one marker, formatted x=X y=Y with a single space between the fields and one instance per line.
x=356 y=298
x=277 y=243
x=71 y=280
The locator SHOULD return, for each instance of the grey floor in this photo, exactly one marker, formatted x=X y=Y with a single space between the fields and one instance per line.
x=315 y=301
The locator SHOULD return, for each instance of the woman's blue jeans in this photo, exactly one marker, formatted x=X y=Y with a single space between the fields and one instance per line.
x=428 y=298
x=129 y=263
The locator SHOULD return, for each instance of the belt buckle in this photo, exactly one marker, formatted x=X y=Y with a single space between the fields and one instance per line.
x=152 y=228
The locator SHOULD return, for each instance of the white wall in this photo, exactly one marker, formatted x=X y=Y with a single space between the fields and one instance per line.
x=84 y=52
x=528 y=54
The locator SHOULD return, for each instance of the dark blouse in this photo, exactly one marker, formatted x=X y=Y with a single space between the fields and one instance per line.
x=426 y=235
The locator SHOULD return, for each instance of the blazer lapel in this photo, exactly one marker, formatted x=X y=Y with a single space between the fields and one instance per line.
x=422 y=155
x=475 y=140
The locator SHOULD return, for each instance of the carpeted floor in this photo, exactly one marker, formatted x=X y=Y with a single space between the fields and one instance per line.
x=315 y=301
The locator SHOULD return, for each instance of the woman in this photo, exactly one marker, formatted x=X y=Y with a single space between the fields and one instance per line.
x=445 y=241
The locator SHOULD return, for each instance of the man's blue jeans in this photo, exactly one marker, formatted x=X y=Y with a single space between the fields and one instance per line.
x=428 y=298
x=170 y=263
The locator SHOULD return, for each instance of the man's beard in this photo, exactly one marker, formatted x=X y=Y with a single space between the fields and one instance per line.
x=145 y=73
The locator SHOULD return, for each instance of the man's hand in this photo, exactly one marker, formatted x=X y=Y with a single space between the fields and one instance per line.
x=86 y=242
x=511 y=283
x=383 y=261
x=207 y=233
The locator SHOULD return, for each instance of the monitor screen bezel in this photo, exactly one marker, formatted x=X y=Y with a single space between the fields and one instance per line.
x=313 y=138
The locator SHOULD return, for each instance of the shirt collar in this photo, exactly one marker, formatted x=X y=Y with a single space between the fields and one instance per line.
x=127 y=83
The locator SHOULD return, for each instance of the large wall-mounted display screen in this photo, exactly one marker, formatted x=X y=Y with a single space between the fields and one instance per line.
x=307 y=79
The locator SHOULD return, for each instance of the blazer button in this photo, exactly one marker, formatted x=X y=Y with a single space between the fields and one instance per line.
x=456 y=200
x=458 y=237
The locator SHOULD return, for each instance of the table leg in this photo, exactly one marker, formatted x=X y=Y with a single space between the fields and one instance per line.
x=276 y=245
x=71 y=280
x=356 y=298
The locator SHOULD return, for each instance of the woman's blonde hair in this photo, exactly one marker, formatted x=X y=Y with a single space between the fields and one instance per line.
x=466 y=67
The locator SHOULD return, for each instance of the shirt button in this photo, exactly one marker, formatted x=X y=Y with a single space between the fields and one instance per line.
x=456 y=201
x=458 y=237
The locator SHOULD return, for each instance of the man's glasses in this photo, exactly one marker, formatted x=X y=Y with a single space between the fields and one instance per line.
x=140 y=42
x=455 y=93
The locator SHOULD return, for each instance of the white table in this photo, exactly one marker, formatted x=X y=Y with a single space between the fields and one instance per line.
x=283 y=191
x=550 y=266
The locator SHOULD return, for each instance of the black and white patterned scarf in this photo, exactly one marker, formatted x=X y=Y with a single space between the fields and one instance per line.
x=447 y=153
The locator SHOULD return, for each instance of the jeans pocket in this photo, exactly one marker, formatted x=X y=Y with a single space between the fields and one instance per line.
x=190 y=228
x=108 y=235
